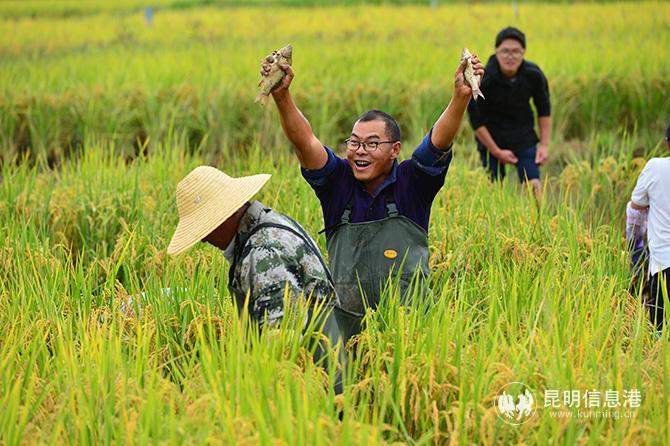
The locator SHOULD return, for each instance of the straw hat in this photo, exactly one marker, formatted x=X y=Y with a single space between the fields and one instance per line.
x=207 y=197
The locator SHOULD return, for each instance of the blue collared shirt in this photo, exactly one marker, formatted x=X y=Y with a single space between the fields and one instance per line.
x=412 y=184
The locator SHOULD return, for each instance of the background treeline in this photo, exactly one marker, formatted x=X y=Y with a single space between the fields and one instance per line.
x=136 y=119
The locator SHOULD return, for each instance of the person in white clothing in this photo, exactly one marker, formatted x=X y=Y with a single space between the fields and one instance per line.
x=649 y=211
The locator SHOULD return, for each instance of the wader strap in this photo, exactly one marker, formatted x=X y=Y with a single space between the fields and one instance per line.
x=391 y=208
x=345 y=218
x=346 y=215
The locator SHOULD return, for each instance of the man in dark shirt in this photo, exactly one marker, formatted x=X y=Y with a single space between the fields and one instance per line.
x=503 y=122
x=414 y=182
x=375 y=209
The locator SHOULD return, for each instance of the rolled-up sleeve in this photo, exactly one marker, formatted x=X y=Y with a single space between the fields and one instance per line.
x=424 y=174
x=541 y=95
x=429 y=158
x=640 y=194
x=319 y=177
x=333 y=185
x=475 y=115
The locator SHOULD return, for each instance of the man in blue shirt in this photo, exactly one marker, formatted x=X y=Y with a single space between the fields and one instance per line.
x=375 y=209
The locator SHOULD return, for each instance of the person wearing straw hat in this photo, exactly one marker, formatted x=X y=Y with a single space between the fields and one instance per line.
x=270 y=254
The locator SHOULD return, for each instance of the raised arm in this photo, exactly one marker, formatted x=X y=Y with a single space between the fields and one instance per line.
x=448 y=123
x=310 y=151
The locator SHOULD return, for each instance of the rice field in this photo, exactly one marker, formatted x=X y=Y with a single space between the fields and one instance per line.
x=101 y=116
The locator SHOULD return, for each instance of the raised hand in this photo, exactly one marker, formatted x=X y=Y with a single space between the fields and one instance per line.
x=286 y=82
x=461 y=88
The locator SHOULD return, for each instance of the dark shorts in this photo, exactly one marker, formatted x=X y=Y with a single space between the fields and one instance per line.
x=655 y=300
x=526 y=168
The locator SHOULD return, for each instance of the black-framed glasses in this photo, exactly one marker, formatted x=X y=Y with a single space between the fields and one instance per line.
x=370 y=146
x=506 y=52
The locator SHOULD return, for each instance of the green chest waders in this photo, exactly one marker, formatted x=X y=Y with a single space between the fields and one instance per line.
x=364 y=255
x=327 y=317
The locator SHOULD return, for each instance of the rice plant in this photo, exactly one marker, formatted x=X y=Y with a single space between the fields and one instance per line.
x=98 y=128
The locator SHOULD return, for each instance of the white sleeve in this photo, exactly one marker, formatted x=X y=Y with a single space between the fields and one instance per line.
x=640 y=193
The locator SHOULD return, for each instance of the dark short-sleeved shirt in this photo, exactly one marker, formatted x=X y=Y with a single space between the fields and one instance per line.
x=412 y=185
x=506 y=111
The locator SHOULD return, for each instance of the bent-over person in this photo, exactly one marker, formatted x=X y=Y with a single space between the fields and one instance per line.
x=269 y=253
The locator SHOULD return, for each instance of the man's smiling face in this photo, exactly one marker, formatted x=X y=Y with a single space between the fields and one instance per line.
x=510 y=56
x=371 y=166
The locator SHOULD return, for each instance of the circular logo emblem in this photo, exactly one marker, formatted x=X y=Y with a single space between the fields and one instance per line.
x=390 y=254
x=515 y=403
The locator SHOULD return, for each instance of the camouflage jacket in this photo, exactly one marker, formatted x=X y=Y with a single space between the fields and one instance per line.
x=268 y=259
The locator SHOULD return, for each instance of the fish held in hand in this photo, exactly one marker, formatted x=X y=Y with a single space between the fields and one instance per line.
x=283 y=56
x=471 y=78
